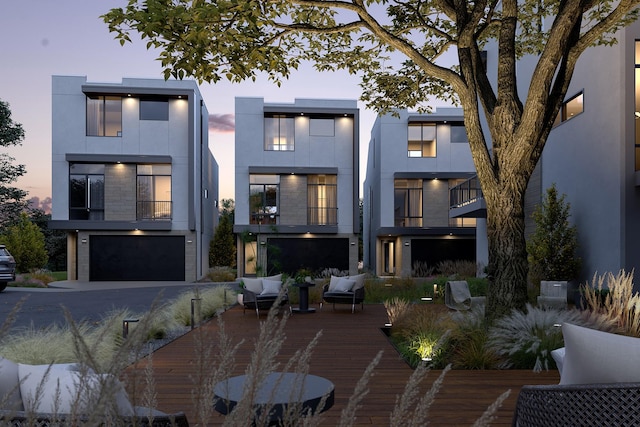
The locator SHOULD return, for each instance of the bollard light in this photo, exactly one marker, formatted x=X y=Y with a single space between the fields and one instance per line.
x=125 y=326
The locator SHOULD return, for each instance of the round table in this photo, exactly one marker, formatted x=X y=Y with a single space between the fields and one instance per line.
x=277 y=391
x=304 y=298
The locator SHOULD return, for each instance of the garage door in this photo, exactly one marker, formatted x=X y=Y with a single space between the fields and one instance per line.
x=124 y=258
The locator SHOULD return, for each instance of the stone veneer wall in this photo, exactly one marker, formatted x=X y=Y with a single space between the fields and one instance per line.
x=120 y=192
x=293 y=200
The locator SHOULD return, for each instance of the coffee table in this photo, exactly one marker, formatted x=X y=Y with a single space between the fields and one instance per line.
x=278 y=390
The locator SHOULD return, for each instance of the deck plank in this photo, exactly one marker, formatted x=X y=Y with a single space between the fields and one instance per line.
x=349 y=342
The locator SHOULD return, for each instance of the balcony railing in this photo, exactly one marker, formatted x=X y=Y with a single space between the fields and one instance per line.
x=155 y=211
x=465 y=193
x=322 y=216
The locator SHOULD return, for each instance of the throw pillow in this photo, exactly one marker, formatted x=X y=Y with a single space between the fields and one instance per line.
x=359 y=278
x=276 y=277
x=333 y=282
x=10 y=385
x=271 y=287
x=558 y=357
x=344 y=285
x=593 y=356
x=49 y=388
x=253 y=284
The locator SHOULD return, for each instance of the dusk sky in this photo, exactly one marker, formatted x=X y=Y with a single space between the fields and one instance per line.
x=41 y=38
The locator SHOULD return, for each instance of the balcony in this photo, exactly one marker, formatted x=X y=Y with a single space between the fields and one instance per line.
x=466 y=200
x=153 y=211
x=322 y=216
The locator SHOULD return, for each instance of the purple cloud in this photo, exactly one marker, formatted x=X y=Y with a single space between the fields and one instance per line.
x=223 y=123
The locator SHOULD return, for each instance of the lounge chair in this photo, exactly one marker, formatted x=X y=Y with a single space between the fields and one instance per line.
x=344 y=290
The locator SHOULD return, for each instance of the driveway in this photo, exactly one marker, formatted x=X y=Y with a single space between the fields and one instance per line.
x=86 y=301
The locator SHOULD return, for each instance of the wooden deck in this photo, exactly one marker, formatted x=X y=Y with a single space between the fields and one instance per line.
x=348 y=344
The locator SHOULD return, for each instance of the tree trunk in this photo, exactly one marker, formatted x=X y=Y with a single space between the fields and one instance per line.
x=508 y=266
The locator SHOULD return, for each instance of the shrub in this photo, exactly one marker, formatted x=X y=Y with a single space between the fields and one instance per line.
x=222 y=274
x=422 y=269
x=211 y=301
x=616 y=302
x=525 y=340
x=467 y=344
x=552 y=246
x=459 y=269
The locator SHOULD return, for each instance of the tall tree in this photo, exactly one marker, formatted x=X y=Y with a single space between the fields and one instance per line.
x=12 y=199
x=222 y=250
x=237 y=40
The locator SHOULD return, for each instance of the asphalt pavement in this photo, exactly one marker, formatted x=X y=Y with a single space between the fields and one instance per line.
x=86 y=301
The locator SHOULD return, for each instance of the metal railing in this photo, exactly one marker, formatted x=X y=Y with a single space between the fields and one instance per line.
x=322 y=216
x=152 y=210
x=465 y=193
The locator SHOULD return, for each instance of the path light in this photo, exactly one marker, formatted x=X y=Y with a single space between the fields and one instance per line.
x=194 y=302
x=125 y=326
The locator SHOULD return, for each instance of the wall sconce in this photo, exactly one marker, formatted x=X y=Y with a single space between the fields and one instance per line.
x=353 y=243
x=84 y=241
x=406 y=243
x=189 y=241
x=125 y=326
x=263 y=243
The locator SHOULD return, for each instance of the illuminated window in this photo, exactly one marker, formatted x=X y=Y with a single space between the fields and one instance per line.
x=104 y=116
x=422 y=140
x=279 y=133
x=322 y=200
x=153 y=192
x=570 y=108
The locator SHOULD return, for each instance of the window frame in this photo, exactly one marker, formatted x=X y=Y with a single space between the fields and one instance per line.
x=413 y=198
x=427 y=147
x=269 y=184
x=92 y=197
x=280 y=127
x=98 y=116
x=153 y=209
x=322 y=199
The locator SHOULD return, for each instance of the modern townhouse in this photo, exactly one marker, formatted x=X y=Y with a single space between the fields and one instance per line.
x=414 y=160
x=296 y=186
x=134 y=182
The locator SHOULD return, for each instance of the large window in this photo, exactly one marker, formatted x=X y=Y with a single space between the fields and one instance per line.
x=153 y=192
x=264 y=192
x=279 y=133
x=86 y=191
x=407 y=204
x=322 y=200
x=422 y=140
x=104 y=116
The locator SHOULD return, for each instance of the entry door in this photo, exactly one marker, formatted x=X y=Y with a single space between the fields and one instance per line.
x=389 y=258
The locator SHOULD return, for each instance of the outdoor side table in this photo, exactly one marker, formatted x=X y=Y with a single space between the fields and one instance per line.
x=304 y=298
x=277 y=391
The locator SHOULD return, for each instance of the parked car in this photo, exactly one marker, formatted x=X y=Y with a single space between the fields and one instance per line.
x=7 y=268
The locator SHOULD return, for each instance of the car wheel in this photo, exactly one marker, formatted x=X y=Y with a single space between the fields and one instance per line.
x=3 y=286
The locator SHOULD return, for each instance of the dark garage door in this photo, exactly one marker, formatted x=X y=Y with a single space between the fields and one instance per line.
x=122 y=258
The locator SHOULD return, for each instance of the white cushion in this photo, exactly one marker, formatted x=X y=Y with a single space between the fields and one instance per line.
x=10 y=385
x=344 y=285
x=253 y=284
x=275 y=277
x=359 y=278
x=593 y=356
x=63 y=391
x=558 y=357
x=271 y=287
x=333 y=282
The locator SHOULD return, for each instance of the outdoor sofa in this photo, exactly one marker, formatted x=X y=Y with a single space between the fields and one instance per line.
x=344 y=290
x=64 y=389
x=599 y=383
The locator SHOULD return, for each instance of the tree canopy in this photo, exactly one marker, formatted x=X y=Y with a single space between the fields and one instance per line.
x=398 y=47
x=12 y=199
